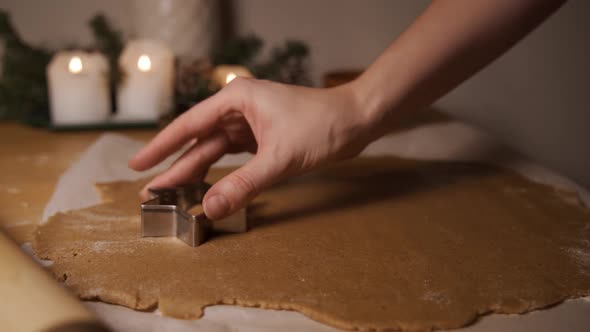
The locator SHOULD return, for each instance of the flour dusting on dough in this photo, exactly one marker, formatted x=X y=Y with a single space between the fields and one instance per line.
x=104 y=217
x=581 y=256
x=19 y=223
x=41 y=159
x=13 y=190
x=436 y=297
x=111 y=246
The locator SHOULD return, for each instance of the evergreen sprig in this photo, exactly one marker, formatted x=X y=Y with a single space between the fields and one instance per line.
x=286 y=64
x=109 y=42
x=23 y=84
x=23 y=87
x=238 y=51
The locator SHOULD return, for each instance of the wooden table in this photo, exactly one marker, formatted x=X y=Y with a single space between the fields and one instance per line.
x=31 y=161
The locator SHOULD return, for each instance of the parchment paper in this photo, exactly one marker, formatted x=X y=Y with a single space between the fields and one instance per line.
x=106 y=160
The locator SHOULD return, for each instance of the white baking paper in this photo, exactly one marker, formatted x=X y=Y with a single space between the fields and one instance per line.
x=106 y=160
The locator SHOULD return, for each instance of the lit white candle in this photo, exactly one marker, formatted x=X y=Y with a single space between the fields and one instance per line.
x=78 y=88
x=224 y=74
x=146 y=91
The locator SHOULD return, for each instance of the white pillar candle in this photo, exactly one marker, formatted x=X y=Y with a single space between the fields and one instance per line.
x=147 y=88
x=224 y=74
x=78 y=88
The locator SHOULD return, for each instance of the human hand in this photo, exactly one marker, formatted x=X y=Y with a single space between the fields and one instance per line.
x=289 y=129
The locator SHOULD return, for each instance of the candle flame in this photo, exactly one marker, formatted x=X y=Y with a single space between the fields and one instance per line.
x=144 y=63
x=75 y=65
x=230 y=77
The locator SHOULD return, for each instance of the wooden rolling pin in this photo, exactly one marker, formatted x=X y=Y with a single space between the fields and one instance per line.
x=31 y=301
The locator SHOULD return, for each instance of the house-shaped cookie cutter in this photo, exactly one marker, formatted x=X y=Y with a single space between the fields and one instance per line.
x=166 y=214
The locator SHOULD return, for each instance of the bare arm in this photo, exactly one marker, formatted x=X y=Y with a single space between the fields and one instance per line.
x=447 y=44
x=293 y=129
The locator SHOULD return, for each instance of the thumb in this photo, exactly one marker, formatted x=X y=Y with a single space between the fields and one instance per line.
x=237 y=189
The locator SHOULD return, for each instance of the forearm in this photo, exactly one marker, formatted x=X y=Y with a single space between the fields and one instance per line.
x=295 y=129
x=448 y=43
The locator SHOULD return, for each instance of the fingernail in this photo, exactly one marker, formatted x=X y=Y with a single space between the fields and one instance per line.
x=216 y=207
x=143 y=194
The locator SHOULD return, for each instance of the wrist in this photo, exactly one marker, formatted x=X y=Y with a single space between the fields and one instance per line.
x=373 y=108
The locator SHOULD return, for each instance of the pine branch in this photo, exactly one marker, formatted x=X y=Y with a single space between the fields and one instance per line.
x=23 y=86
x=287 y=64
x=110 y=43
x=238 y=51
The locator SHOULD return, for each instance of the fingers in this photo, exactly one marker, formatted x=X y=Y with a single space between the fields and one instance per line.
x=198 y=122
x=235 y=190
x=193 y=164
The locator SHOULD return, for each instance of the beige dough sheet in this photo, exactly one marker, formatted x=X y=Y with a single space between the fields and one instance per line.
x=369 y=244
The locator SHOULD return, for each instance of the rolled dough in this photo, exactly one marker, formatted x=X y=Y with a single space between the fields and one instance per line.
x=369 y=244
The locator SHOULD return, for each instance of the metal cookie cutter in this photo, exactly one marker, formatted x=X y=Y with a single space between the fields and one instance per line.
x=168 y=213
